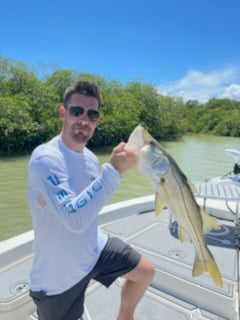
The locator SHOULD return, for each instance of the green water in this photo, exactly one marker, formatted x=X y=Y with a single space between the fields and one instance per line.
x=198 y=156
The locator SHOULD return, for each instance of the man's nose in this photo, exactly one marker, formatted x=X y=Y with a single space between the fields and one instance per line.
x=83 y=117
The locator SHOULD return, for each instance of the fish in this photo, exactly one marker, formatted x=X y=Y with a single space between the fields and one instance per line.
x=173 y=190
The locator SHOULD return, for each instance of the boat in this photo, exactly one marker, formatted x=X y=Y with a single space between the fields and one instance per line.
x=174 y=293
x=234 y=175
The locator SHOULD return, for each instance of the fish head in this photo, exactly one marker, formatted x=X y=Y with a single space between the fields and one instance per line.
x=152 y=159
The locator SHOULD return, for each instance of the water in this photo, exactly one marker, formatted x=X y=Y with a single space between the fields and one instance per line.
x=202 y=156
x=199 y=156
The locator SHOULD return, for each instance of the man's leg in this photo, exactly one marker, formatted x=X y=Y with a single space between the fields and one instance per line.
x=136 y=283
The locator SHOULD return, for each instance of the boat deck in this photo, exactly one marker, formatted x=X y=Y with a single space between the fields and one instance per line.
x=174 y=293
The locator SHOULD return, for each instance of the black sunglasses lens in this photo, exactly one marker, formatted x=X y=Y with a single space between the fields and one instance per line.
x=76 y=111
x=93 y=115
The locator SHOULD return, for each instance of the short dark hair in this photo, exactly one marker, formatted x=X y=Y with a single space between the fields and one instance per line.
x=83 y=87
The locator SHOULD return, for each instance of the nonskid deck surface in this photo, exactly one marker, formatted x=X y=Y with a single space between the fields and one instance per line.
x=174 y=293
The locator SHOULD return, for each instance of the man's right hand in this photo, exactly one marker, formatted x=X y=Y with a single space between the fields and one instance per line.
x=122 y=159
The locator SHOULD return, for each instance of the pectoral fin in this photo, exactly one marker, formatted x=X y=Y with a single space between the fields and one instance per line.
x=209 y=222
x=182 y=235
x=159 y=204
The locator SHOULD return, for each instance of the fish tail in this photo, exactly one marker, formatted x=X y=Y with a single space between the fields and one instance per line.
x=209 y=265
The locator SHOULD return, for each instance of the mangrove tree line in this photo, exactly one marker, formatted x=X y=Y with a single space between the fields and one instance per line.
x=29 y=109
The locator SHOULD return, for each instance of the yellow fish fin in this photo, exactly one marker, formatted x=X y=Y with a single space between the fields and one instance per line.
x=182 y=235
x=209 y=266
x=159 y=204
x=209 y=222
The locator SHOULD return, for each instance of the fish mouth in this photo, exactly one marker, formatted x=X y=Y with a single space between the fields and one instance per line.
x=136 y=139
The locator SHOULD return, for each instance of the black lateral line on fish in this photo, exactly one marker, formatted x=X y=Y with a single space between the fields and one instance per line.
x=188 y=214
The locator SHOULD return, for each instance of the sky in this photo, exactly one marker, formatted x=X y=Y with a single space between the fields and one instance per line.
x=186 y=48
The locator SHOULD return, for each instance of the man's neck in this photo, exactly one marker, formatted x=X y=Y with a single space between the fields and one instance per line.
x=77 y=147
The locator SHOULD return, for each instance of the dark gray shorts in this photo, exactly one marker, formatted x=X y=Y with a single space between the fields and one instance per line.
x=116 y=259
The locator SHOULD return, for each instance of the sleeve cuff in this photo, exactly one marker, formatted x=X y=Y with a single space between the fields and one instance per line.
x=112 y=170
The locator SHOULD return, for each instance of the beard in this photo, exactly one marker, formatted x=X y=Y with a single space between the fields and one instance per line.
x=81 y=134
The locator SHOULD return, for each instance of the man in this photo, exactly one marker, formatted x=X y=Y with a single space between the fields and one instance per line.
x=66 y=193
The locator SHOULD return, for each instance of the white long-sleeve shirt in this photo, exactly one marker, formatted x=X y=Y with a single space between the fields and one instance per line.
x=66 y=192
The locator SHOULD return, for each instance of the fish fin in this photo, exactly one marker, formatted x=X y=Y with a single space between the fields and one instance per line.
x=209 y=266
x=209 y=222
x=159 y=204
x=182 y=235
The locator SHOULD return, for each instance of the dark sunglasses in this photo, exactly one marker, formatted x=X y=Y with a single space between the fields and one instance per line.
x=75 y=111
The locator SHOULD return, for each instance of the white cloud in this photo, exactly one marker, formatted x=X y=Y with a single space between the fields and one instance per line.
x=196 y=85
x=232 y=92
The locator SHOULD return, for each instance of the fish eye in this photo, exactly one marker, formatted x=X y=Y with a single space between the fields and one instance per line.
x=152 y=145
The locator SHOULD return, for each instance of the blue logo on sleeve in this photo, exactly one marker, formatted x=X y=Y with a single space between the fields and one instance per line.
x=61 y=194
x=69 y=207
x=81 y=202
x=96 y=186
x=54 y=180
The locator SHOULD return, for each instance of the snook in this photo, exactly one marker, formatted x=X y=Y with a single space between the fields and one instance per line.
x=173 y=190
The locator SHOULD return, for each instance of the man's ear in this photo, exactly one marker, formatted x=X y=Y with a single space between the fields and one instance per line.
x=61 y=112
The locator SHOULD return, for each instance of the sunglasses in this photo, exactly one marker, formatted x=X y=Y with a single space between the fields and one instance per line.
x=75 y=111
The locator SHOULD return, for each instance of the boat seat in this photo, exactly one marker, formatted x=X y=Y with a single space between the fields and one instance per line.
x=219 y=191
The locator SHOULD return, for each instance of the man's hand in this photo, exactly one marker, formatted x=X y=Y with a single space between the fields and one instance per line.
x=122 y=159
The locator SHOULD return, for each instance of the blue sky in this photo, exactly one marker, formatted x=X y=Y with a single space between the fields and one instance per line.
x=189 y=48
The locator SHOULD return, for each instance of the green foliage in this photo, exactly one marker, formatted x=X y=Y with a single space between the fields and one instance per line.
x=229 y=125
x=217 y=116
x=15 y=125
x=29 y=109
x=148 y=104
x=60 y=80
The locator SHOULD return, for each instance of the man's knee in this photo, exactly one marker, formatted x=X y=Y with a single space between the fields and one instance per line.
x=143 y=272
x=148 y=268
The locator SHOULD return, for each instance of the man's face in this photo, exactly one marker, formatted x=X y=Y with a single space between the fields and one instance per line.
x=80 y=119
